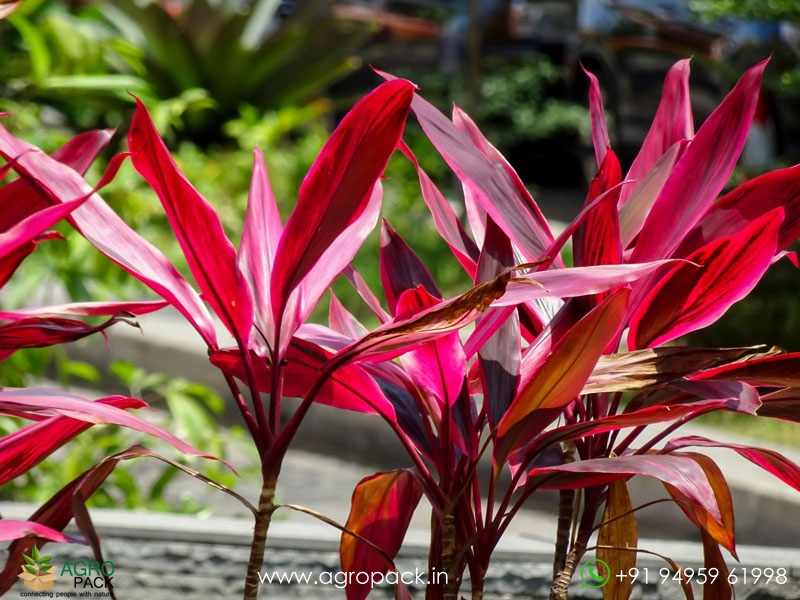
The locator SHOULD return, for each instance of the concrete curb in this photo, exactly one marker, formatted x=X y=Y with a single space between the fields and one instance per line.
x=167 y=344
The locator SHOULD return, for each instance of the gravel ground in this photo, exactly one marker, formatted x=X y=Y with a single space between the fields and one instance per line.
x=146 y=570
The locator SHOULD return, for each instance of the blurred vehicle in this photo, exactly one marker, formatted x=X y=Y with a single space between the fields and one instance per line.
x=630 y=44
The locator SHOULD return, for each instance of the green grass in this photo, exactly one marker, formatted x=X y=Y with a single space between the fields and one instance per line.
x=774 y=431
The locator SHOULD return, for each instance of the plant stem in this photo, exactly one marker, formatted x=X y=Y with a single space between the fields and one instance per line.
x=560 y=587
x=266 y=506
x=566 y=507
x=449 y=562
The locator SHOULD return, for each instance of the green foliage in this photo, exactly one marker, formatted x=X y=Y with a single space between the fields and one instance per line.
x=519 y=102
x=751 y=9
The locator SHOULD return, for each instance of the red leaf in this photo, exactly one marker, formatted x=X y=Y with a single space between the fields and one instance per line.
x=562 y=375
x=751 y=200
x=702 y=171
x=769 y=460
x=401 y=268
x=22 y=450
x=688 y=298
x=348 y=387
x=38 y=332
x=722 y=532
x=380 y=512
x=679 y=471
x=339 y=186
x=597 y=240
x=779 y=370
x=40 y=400
x=209 y=253
x=57 y=183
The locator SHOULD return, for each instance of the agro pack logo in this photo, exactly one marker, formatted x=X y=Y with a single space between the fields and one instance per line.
x=37 y=572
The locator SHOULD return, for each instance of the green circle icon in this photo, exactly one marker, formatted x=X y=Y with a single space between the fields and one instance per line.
x=591 y=577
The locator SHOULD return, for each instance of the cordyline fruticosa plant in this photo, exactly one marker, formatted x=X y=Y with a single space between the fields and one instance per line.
x=57 y=417
x=537 y=384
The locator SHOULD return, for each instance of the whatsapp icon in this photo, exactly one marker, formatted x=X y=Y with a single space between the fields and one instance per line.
x=591 y=577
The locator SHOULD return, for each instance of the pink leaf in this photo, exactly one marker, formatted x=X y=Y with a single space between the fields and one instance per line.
x=445 y=219
x=209 y=253
x=38 y=332
x=673 y=122
x=600 y=139
x=681 y=472
x=13 y=530
x=597 y=240
x=260 y=238
x=339 y=186
x=487 y=178
x=578 y=281
x=22 y=450
x=55 y=402
x=702 y=171
x=87 y=309
x=769 y=460
x=58 y=184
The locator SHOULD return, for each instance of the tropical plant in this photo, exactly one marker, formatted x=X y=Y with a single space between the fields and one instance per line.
x=57 y=416
x=538 y=382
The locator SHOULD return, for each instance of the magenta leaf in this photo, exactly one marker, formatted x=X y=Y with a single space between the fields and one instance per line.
x=380 y=512
x=39 y=400
x=58 y=184
x=445 y=219
x=209 y=253
x=769 y=460
x=600 y=139
x=681 y=472
x=339 y=186
x=260 y=238
x=22 y=450
x=438 y=366
x=673 y=122
x=401 y=268
x=562 y=375
x=748 y=202
x=702 y=171
x=348 y=387
x=688 y=298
